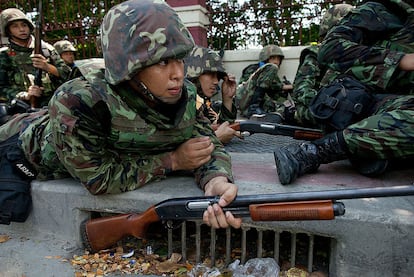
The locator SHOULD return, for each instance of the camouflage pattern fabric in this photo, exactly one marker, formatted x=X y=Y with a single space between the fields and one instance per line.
x=306 y=85
x=91 y=134
x=64 y=46
x=309 y=74
x=369 y=44
x=17 y=71
x=266 y=77
x=248 y=71
x=138 y=24
x=112 y=138
x=270 y=51
x=332 y=16
x=264 y=55
x=203 y=60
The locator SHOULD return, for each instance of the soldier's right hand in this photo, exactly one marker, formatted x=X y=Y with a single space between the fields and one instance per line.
x=192 y=154
x=407 y=62
x=35 y=91
x=225 y=133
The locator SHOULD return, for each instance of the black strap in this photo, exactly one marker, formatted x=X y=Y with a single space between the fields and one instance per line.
x=6 y=211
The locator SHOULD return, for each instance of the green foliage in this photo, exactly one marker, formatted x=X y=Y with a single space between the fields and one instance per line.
x=235 y=24
x=76 y=21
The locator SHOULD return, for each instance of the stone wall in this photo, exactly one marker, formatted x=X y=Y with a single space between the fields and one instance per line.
x=236 y=60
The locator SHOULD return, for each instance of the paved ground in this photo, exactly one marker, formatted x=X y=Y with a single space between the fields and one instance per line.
x=33 y=252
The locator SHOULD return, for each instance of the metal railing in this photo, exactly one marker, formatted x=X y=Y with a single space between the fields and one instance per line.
x=234 y=24
x=241 y=24
x=223 y=246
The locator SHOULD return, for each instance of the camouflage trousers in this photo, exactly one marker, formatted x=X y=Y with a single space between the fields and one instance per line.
x=304 y=117
x=387 y=134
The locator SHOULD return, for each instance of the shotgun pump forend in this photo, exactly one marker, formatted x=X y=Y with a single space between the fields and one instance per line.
x=102 y=233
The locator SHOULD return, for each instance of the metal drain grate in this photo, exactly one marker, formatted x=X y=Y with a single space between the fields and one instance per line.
x=288 y=248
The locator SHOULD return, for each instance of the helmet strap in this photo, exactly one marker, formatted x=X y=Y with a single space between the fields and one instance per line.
x=143 y=89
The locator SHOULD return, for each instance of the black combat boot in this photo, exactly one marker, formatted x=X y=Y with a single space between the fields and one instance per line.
x=256 y=104
x=295 y=160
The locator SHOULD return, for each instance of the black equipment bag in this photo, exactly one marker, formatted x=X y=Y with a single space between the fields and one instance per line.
x=16 y=175
x=342 y=103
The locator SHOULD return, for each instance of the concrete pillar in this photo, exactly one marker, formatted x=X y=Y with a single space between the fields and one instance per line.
x=194 y=15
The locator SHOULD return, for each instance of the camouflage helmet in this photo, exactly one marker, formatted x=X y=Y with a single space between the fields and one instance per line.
x=332 y=16
x=64 y=46
x=12 y=14
x=202 y=60
x=269 y=51
x=138 y=34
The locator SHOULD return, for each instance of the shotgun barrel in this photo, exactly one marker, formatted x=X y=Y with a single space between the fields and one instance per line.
x=102 y=233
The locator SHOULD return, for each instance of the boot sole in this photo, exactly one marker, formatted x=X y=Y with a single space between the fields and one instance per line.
x=284 y=171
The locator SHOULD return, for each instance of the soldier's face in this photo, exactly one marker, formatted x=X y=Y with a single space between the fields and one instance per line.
x=68 y=57
x=19 y=30
x=275 y=60
x=209 y=82
x=164 y=80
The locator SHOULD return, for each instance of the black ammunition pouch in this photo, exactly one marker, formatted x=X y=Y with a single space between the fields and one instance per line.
x=15 y=107
x=342 y=103
x=4 y=113
x=19 y=106
x=16 y=175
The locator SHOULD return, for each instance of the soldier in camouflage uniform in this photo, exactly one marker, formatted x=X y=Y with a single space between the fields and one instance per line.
x=204 y=68
x=122 y=126
x=374 y=43
x=18 y=63
x=66 y=51
x=310 y=72
x=263 y=95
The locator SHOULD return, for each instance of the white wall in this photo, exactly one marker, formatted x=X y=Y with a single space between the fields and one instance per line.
x=236 y=60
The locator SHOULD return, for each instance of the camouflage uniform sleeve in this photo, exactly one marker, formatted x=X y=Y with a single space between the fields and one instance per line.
x=306 y=83
x=226 y=115
x=268 y=79
x=7 y=90
x=220 y=162
x=82 y=146
x=348 y=47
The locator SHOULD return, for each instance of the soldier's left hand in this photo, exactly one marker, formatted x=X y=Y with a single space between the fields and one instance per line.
x=229 y=86
x=214 y=216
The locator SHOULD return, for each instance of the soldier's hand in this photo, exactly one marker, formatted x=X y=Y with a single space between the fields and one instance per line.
x=228 y=87
x=34 y=91
x=214 y=216
x=225 y=133
x=407 y=62
x=192 y=154
x=39 y=61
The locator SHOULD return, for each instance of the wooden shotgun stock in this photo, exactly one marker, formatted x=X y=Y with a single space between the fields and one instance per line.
x=103 y=233
x=296 y=132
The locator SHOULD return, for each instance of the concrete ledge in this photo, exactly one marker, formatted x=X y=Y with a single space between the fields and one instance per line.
x=374 y=237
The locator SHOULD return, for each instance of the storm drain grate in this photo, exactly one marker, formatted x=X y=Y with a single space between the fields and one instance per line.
x=196 y=242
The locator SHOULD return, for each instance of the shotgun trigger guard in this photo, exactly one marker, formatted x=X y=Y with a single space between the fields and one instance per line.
x=172 y=224
x=245 y=134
